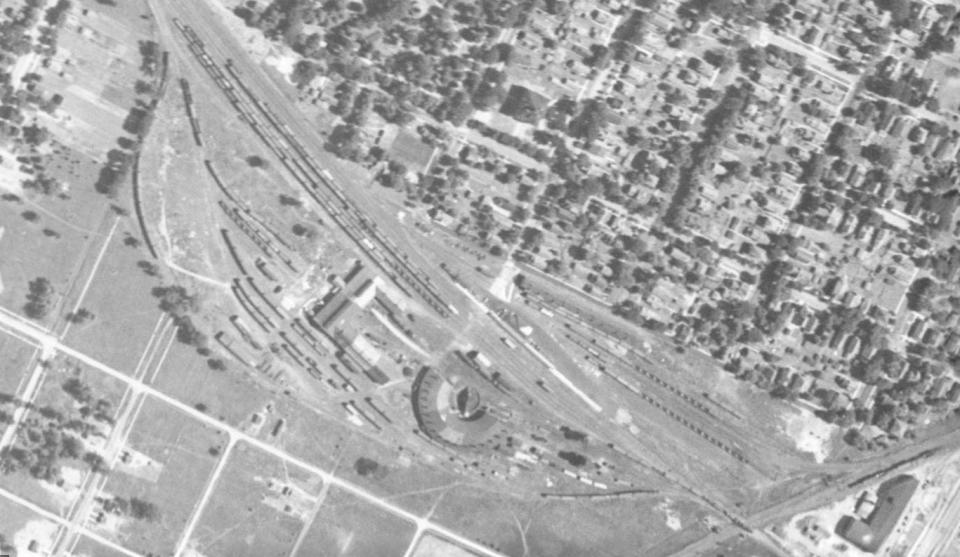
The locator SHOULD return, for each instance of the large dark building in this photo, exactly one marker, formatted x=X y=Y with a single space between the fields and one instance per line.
x=892 y=498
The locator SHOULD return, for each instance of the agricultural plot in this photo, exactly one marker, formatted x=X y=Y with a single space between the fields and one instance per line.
x=95 y=71
x=119 y=298
x=346 y=526
x=259 y=507
x=167 y=461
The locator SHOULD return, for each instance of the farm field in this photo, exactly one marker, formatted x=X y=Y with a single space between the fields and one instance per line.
x=167 y=461
x=349 y=527
x=259 y=507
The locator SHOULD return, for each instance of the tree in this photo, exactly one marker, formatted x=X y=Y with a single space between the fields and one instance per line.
x=71 y=447
x=96 y=463
x=385 y=10
x=188 y=333
x=878 y=154
x=589 y=124
x=143 y=510
x=81 y=316
x=256 y=161
x=46 y=185
x=345 y=141
x=175 y=300
x=79 y=390
x=366 y=466
x=918 y=297
x=34 y=135
x=39 y=298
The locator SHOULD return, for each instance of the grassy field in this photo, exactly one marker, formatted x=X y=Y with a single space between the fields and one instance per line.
x=245 y=515
x=19 y=264
x=119 y=297
x=348 y=527
x=227 y=395
x=87 y=547
x=433 y=546
x=568 y=528
x=326 y=442
x=736 y=546
x=182 y=447
x=16 y=355
x=102 y=386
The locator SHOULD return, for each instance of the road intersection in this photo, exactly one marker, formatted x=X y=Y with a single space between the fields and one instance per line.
x=137 y=386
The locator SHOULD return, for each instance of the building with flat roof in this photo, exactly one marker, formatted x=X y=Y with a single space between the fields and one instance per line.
x=893 y=496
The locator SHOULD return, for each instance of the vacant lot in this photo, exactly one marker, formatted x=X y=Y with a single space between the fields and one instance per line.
x=258 y=507
x=349 y=527
x=184 y=451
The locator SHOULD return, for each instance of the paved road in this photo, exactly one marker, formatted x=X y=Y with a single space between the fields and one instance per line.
x=235 y=435
x=64 y=522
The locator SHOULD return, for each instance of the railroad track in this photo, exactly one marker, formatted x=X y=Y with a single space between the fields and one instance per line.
x=318 y=183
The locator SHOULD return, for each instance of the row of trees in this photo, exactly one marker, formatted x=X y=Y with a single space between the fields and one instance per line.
x=718 y=124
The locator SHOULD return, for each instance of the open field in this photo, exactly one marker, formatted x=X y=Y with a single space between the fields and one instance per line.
x=87 y=547
x=401 y=474
x=171 y=463
x=569 y=528
x=258 y=507
x=432 y=546
x=119 y=297
x=738 y=545
x=16 y=355
x=348 y=527
x=229 y=396
x=19 y=264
